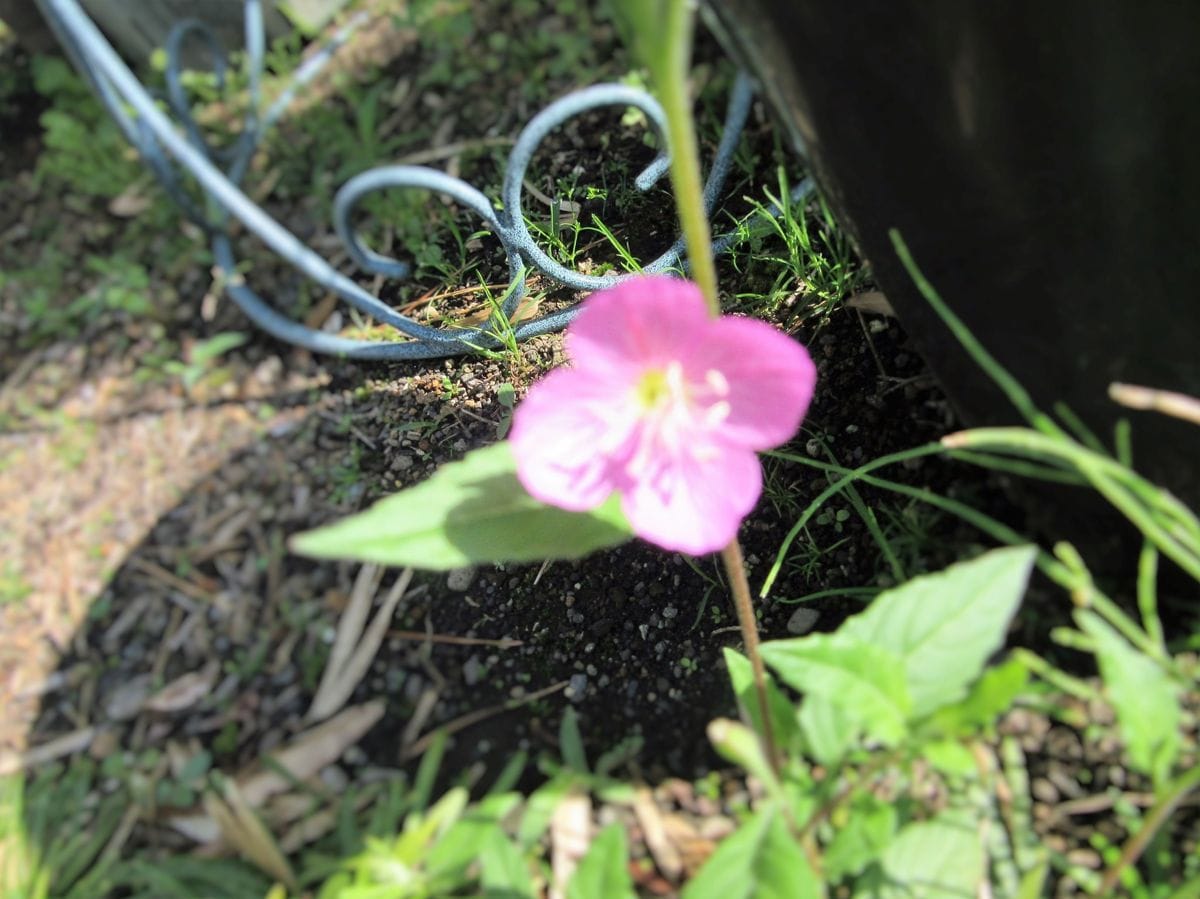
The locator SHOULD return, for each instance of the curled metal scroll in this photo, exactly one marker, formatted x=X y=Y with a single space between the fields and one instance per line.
x=173 y=152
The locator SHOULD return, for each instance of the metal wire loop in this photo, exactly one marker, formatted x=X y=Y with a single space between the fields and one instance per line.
x=216 y=173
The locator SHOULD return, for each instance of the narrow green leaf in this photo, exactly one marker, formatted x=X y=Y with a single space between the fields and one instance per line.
x=945 y=626
x=604 y=872
x=1033 y=882
x=570 y=742
x=866 y=680
x=1145 y=698
x=941 y=858
x=503 y=871
x=780 y=708
x=760 y=860
x=739 y=744
x=469 y=512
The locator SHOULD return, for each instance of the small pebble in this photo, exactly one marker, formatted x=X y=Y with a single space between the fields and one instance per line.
x=802 y=620
x=473 y=671
x=576 y=687
x=460 y=579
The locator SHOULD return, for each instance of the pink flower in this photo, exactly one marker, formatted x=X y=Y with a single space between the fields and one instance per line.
x=665 y=405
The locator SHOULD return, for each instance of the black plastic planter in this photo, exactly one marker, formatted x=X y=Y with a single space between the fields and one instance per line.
x=1042 y=161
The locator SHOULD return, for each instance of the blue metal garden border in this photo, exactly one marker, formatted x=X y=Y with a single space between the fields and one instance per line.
x=176 y=150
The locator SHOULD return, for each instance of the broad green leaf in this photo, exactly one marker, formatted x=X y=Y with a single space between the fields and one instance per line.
x=868 y=830
x=641 y=25
x=502 y=868
x=950 y=758
x=829 y=728
x=945 y=626
x=540 y=806
x=941 y=858
x=423 y=828
x=604 y=872
x=867 y=681
x=1145 y=698
x=759 y=860
x=989 y=698
x=780 y=708
x=469 y=512
x=459 y=846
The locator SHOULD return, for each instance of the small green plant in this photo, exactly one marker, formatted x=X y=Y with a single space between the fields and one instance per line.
x=806 y=261
x=201 y=358
x=83 y=148
x=506 y=397
x=119 y=285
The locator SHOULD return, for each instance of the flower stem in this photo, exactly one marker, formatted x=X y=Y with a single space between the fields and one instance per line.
x=1176 y=792
x=740 y=587
x=672 y=83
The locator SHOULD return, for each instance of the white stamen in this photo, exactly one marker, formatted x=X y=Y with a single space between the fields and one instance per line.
x=716 y=413
x=717 y=382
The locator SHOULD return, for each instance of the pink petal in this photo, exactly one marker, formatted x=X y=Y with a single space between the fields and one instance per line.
x=642 y=322
x=557 y=436
x=696 y=502
x=770 y=376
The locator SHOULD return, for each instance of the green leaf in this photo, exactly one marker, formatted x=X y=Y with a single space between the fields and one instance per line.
x=468 y=512
x=780 y=708
x=869 y=829
x=937 y=859
x=759 y=860
x=1033 y=882
x=642 y=28
x=867 y=681
x=459 y=846
x=829 y=728
x=739 y=744
x=604 y=872
x=1145 y=698
x=945 y=626
x=204 y=351
x=503 y=871
x=570 y=742
x=950 y=758
x=990 y=697
x=540 y=806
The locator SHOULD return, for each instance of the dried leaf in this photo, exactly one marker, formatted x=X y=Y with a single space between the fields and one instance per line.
x=241 y=829
x=198 y=827
x=76 y=741
x=694 y=849
x=666 y=856
x=570 y=837
x=873 y=302
x=351 y=656
x=126 y=700
x=312 y=751
x=131 y=202
x=1177 y=405
x=185 y=691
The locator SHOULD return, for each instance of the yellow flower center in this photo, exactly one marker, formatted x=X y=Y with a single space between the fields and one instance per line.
x=653 y=389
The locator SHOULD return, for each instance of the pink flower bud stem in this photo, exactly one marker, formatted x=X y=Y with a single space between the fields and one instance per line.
x=673 y=93
x=731 y=555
